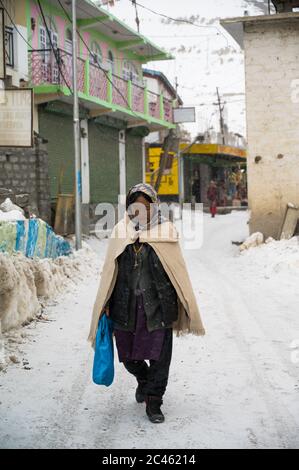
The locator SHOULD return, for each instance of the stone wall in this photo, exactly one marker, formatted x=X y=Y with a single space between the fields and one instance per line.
x=272 y=71
x=24 y=171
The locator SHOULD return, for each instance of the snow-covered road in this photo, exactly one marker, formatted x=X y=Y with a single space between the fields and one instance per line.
x=237 y=387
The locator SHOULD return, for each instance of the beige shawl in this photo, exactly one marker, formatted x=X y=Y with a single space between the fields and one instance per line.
x=163 y=239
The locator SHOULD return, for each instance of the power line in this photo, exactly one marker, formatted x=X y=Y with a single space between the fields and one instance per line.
x=142 y=6
x=179 y=20
x=134 y=35
x=210 y=103
x=137 y=17
x=52 y=46
x=113 y=30
x=30 y=46
x=83 y=55
x=14 y=25
x=180 y=35
x=55 y=51
x=97 y=64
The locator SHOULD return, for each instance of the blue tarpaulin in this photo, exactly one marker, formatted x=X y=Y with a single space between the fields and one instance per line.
x=32 y=237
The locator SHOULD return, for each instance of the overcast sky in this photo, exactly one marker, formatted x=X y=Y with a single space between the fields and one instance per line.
x=206 y=56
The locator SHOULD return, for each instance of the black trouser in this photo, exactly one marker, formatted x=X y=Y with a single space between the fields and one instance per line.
x=153 y=379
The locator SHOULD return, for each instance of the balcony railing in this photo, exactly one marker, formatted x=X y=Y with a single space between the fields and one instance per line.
x=46 y=69
x=96 y=83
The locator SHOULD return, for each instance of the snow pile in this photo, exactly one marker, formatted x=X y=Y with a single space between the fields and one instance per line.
x=275 y=255
x=254 y=240
x=26 y=284
x=8 y=206
x=11 y=216
x=9 y=212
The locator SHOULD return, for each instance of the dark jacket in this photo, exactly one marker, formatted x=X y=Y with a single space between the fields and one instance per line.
x=150 y=280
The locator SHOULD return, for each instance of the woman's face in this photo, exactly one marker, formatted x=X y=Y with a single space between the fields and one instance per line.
x=141 y=210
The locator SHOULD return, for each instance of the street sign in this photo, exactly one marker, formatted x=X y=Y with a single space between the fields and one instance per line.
x=181 y=115
x=2 y=45
x=16 y=117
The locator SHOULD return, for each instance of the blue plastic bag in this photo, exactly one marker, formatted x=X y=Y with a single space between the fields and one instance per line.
x=103 y=364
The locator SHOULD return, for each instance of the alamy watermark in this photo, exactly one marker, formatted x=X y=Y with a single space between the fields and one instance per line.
x=188 y=221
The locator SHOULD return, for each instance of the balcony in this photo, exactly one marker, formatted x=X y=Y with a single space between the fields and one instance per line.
x=102 y=92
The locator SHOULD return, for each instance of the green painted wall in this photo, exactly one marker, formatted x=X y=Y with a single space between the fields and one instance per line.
x=103 y=163
x=58 y=130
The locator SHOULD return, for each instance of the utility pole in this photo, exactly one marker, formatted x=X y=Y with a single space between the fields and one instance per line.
x=180 y=160
x=181 y=174
x=166 y=147
x=219 y=104
x=137 y=17
x=176 y=91
x=76 y=121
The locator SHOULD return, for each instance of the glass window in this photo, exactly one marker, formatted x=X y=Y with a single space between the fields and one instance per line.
x=96 y=56
x=69 y=41
x=110 y=61
x=130 y=72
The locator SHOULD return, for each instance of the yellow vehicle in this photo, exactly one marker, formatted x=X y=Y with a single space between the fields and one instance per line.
x=169 y=187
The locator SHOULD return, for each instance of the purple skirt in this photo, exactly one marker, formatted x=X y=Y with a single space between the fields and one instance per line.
x=140 y=344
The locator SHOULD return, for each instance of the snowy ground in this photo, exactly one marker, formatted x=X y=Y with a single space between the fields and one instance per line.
x=236 y=387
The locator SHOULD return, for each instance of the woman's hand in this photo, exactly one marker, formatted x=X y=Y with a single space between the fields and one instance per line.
x=107 y=311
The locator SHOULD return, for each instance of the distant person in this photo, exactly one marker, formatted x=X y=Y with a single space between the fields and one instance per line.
x=212 y=197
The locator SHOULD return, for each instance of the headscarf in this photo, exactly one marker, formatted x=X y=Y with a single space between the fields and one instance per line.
x=147 y=189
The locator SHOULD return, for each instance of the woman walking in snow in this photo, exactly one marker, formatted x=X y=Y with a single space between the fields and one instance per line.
x=146 y=291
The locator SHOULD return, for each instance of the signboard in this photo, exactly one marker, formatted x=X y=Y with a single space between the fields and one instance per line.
x=16 y=118
x=181 y=115
x=2 y=45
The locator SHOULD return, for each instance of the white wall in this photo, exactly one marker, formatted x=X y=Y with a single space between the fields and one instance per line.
x=20 y=69
x=156 y=86
x=271 y=65
x=152 y=84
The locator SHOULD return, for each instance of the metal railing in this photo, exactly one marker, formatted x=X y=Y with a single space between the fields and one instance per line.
x=47 y=68
x=104 y=85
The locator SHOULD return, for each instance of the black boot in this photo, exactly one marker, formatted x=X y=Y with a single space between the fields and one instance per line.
x=139 y=395
x=153 y=410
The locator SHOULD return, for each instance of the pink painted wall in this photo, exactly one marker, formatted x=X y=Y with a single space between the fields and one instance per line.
x=35 y=15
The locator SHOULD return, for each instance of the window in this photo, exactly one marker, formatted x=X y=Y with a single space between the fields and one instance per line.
x=110 y=61
x=44 y=40
x=49 y=66
x=96 y=56
x=130 y=72
x=69 y=41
